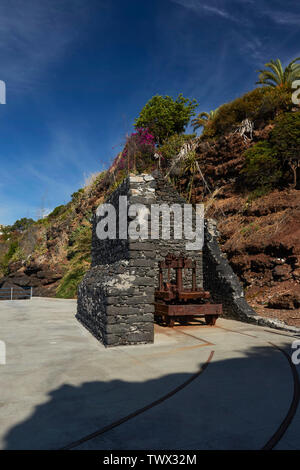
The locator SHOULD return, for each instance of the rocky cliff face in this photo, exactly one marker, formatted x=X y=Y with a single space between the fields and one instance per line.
x=260 y=236
x=53 y=254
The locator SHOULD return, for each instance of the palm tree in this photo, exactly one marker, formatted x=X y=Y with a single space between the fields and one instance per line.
x=277 y=76
x=203 y=119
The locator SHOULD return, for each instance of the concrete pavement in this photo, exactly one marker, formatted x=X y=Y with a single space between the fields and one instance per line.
x=60 y=384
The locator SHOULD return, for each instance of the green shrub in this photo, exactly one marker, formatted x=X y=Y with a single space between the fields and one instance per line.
x=275 y=101
x=43 y=222
x=285 y=140
x=259 y=105
x=171 y=146
x=57 y=211
x=22 y=224
x=19 y=226
x=258 y=192
x=12 y=249
x=6 y=232
x=248 y=229
x=67 y=288
x=121 y=175
x=95 y=181
x=285 y=137
x=77 y=195
x=262 y=169
x=9 y=255
x=80 y=243
x=79 y=253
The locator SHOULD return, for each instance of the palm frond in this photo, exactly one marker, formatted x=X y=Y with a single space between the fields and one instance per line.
x=274 y=75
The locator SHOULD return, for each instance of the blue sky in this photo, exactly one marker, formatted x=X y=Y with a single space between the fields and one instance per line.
x=78 y=72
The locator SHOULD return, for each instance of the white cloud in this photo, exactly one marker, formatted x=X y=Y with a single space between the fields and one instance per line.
x=258 y=8
x=251 y=47
x=199 y=7
x=217 y=11
x=282 y=17
x=35 y=34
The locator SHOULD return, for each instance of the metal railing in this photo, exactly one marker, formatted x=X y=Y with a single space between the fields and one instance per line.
x=16 y=293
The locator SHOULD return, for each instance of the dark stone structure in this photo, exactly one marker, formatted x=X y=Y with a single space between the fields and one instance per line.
x=220 y=279
x=116 y=296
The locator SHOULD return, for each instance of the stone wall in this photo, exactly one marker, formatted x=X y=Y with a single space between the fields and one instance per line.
x=165 y=193
x=220 y=279
x=225 y=286
x=116 y=297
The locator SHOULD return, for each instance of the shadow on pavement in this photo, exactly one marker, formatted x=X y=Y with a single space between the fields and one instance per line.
x=236 y=403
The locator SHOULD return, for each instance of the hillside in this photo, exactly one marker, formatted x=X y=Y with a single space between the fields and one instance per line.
x=52 y=254
x=241 y=176
x=260 y=235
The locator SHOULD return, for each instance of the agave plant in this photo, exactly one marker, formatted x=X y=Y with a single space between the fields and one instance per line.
x=203 y=119
x=190 y=166
x=277 y=76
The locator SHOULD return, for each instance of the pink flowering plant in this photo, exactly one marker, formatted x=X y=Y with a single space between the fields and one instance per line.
x=138 y=151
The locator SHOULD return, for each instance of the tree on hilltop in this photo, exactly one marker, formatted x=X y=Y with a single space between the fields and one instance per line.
x=164 y=116
x=203 y=119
